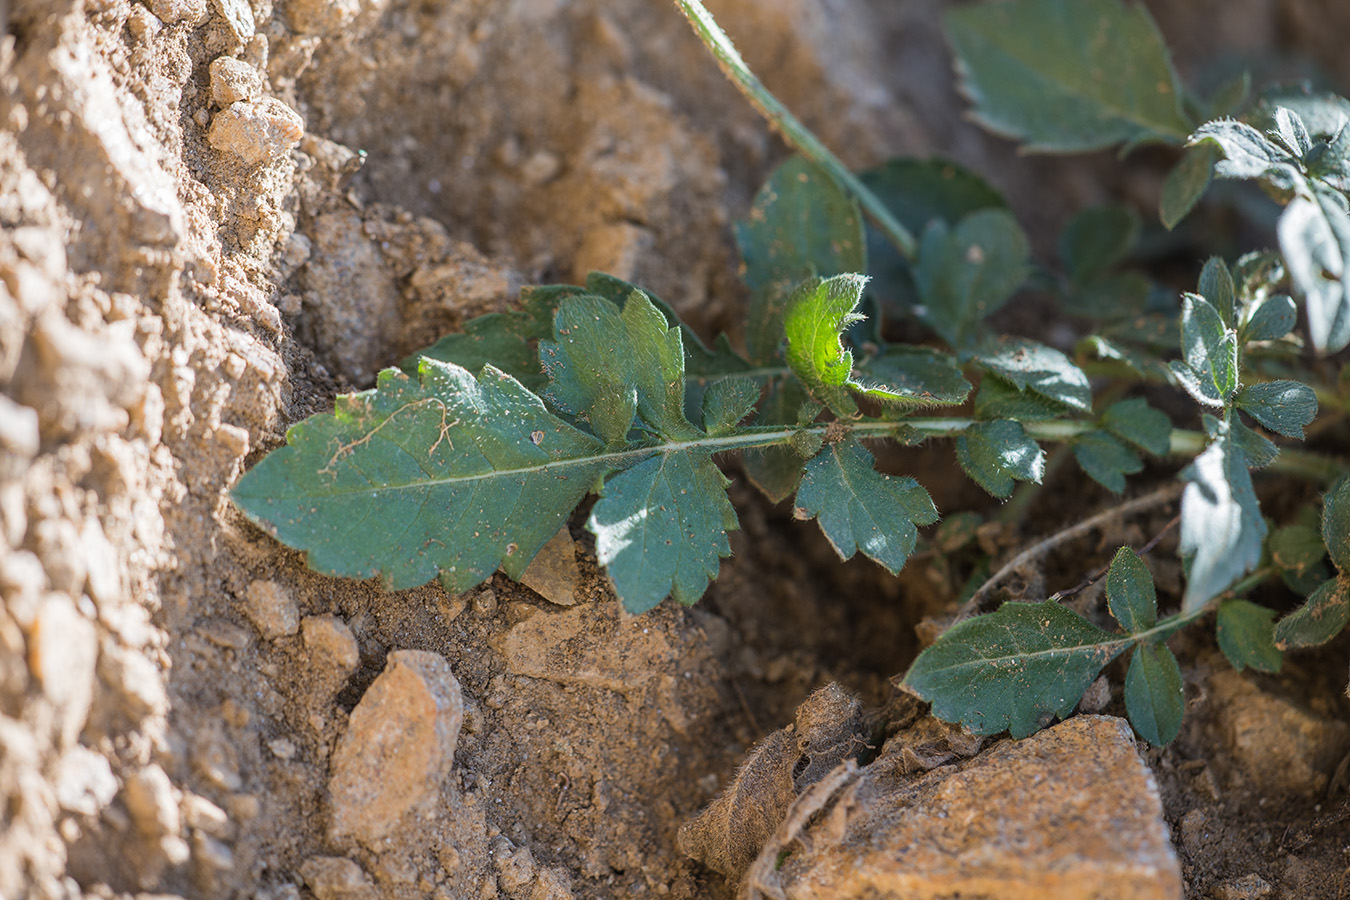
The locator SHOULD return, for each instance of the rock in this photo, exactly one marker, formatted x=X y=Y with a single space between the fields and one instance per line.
x=202 y=815
x=63 y=654
x=336 y=878
x=330 y=644
x=149 y=797
x=103 y=569
x=256 y=131
x=271 y=608
x=239 y=16
x=515 y=868
x=1276 y=745
x=18 y=437
x=552 y=884
x=553 y=573
x=321 y=17
x=135 y=679
x=1071 y=812
x=84 y=781
x=1248 y=887
x=398 y=746
x=193 y=12
x=233 y=80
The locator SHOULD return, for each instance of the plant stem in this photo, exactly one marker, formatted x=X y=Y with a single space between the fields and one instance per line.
x=793 y=131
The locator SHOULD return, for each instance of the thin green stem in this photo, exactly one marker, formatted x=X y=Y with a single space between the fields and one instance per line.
x=793 y=131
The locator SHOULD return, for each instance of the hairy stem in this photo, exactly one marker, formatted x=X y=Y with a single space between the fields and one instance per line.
x=793 y=131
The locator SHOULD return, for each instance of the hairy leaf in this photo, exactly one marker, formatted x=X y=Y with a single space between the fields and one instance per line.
x=999 y=399
x=995 y=453
x=1067 y=75
x=802 y=225
x=1096 y=239
x=1154 y=699
x=1248 y=154
x=1017 y=668
x=1106 y=459
x=967 y=272
x=1130 y=592
x=1216 y=286
x=445 y=476
x=820 y=309
x=1036 y=367
x=1246 y=635
x=1272 y=320
x=1221 y=525
x=859 y=508
x=776 y=471
x=1136 y=422
x=1259 y=449
x=1336 y=523
x=661 y=528
x=1299 y=554
x=727 y=401
x=1187 y=182
x=1282 y=406
x=914 y=376
x=1318 y=620
x=587 y=378
x=1315 y=239
x=1209 y=347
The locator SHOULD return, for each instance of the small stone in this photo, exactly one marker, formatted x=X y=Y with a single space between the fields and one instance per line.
x=135 y=679
x=212 y=852
x=84 y=781
x=515 y=867
x=553 y=573
x=63 y=654
x=398 y=746
x=336 y=878
x=143 y=24
x=203 y=815
x=1248 y=887
x=215 y=758
x=193 y=12
x=256 y=131
x=282 y=748
x=553 y=884
x=321 y=17
x=233 y=80
x=225 y=634
x=272 y=609
x=330 y=643
x=103 y=569
x=57 y=543
x=18 y=436
x=149 y=797
x=239 y=16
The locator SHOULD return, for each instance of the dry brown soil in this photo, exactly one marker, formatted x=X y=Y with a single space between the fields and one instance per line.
x=179 y=283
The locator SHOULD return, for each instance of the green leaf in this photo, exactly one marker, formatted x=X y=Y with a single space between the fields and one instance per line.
x=820 y=309
x=1187 y=182
x=1216 y=286
x=999 y=399
x=1315 y=239
x=859 y=508
x=776 y=471
x=727 y=401
x=1154 y=698
x=995 y=453
x=1271 y=320
x=1221 y=525
x=802 y=225
x=1106 y=459
x=1112 y=295
x=1067 y=75
x=1321 y=113
x=661 y=528
x=445 y=476
x=965 y=273
x=1247 y=636
x=1096 y=239
x=1210 y=349
x=1248 y=154
x=914 y=376
x=1202 y=390
x=1130 y=593
x=1017 y=668
x=1032 y=366
x=1296 y=550
x=1318 y=620
x=587 y=378
x=1136 y=422
x=1259 y=449
x=1282 y=406
x=1336 y=523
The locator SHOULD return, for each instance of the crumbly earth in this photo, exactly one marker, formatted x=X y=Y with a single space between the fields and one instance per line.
x=195 y=254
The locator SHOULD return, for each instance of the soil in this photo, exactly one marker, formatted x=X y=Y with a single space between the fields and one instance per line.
x=184 y=273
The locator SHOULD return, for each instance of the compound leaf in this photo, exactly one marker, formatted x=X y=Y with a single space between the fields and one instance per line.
x=1322 y=616
x=1130 y=592
x=447 y=476
x=1068 y=75
x=995 y=453
x=661 y=528
x=1336 y=523
x=1282 y=406
x=964 y=273
x=1221 y=525
x=1036 y=367
x=859 y=508
x=1154 y=698
x=1246 y=635
x=1018 y=668
x=1106 y=459
x=819 y=311
x=1216 y=286
x=1137 y=423
x=1315 y=239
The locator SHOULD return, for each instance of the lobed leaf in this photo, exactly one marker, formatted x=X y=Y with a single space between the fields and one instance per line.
x=1106 y=459
x=1067 y=75
x=1221 y=525
x=1216 y=286
x=965 y=273
x=1130 y=593
x=727 y=401
x=1282 y=406
x=1036 y=367
x=1154 y=698
x=1018 y=668
x=859 y=508
x=447 y=476
x=1246 y=634
x=587 y=378
x=1323 y=616
x=820 y=309
x=996 y=453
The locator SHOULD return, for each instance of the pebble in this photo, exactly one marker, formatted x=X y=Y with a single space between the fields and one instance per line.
x=149 y=797
x=256 y=131
x=203 y=815
x=135 y=679
x=84 y=781
x=62 y=653
x=336 y=878
x=321 y=17
x=239 y=16
x=553 y=573
x=1068 y=813
x=18 y=436
x=515 y=867
x=103 y=569
x=272 y=609
x=233 y=80
x=398 y=746
x=330 y=643
x=192 y=12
